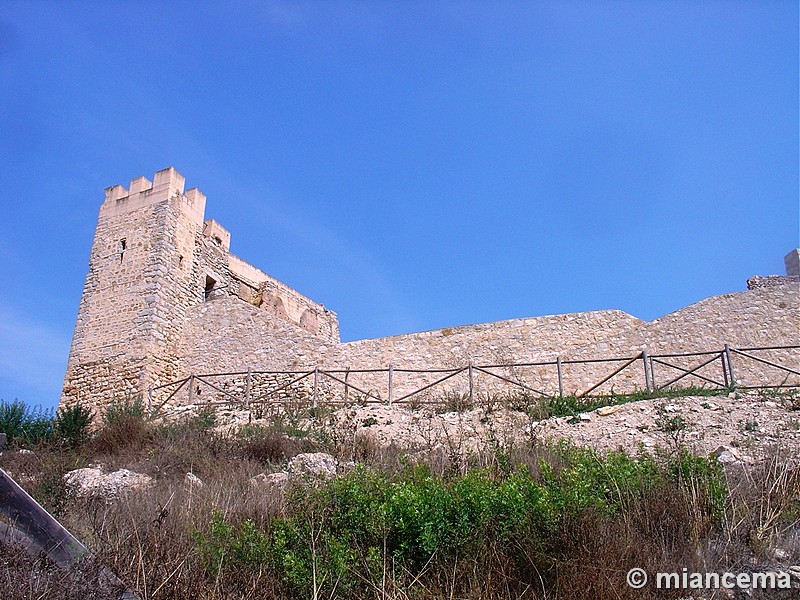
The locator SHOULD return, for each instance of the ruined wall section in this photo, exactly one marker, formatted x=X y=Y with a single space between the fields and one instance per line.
x=536 y=339
x=280 y=300
x=225 y=334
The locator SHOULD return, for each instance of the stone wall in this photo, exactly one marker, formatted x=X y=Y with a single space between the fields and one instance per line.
x=165 y=299
x=752 y=318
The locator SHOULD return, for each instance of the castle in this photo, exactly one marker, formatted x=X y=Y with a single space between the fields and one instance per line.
x=164 y=298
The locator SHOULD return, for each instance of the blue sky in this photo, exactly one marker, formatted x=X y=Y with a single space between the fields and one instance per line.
x=411 y=165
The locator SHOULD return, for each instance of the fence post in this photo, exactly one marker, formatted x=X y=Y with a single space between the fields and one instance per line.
x=248 y=387
x=316 y=387
x=191 y=389
x=346 y=387
x=560 y=377
x=646 y=370
x=471 y=383
x=730 y=366
x=653 y=374
x=391 y=373
x=724 y=368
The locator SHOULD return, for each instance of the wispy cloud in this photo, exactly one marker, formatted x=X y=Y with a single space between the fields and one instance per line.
x=33 y=357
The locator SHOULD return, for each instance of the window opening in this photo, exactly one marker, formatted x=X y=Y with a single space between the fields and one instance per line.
x=210 y=283
x=121 y=247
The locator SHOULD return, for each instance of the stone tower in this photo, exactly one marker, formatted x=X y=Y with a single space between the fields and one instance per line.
x=143 y=275
x=158 y=272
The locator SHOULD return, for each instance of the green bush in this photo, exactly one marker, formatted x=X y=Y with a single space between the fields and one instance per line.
x=23 y=424
x=124 y=409
x=125 y=426
x=73 y=424
x=413 y=520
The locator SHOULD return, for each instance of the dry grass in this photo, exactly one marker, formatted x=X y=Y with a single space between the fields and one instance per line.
x=151 y=537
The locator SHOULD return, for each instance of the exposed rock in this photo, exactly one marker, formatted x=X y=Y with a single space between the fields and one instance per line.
x=604 y=411
x=92 y=482
x=779 y=554
x=727 y=455
x=274 y=482
x=312 y=465
x=193 y=481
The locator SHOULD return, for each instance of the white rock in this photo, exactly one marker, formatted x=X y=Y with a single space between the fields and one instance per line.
x=779 y=554
x=193 y=481
x=727 y=455
x=312 y=464
x=274 y=482
x=92 y=482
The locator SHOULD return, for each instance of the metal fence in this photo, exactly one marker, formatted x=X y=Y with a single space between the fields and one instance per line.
x=726 y=368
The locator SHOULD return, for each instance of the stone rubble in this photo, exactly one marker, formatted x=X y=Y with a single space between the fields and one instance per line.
x=94 y=482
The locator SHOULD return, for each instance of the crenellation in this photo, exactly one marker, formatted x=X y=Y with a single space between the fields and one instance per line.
x=115 y=192
x=164 y=298
x=170 y=180
x=138 y=185
x=216 y=232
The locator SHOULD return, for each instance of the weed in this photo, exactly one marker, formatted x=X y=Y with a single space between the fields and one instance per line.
x=673 y=426
x=749 y=426
x=124 y=425
x=128 y=407
x=453 y=401
x=270 y=445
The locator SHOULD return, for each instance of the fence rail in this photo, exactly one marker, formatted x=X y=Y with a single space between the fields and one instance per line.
x=726 y=368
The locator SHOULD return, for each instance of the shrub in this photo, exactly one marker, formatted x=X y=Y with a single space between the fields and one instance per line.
x=270 y=445
x=517 y=521
x=23 y=424
x=122 y=409
x=73 y=423
x=124 y=425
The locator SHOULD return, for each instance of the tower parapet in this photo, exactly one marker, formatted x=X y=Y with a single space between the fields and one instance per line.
x=167 y=184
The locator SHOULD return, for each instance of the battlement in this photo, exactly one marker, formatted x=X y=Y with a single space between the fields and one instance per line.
x=215 y=231
x=792 y=263
x=166 y=184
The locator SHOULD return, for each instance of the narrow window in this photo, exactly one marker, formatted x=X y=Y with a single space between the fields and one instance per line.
x=123 y=244
x=210 y=283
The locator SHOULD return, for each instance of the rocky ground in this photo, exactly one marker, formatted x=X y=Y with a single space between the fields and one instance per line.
x=747 y=424
x=749 y=432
